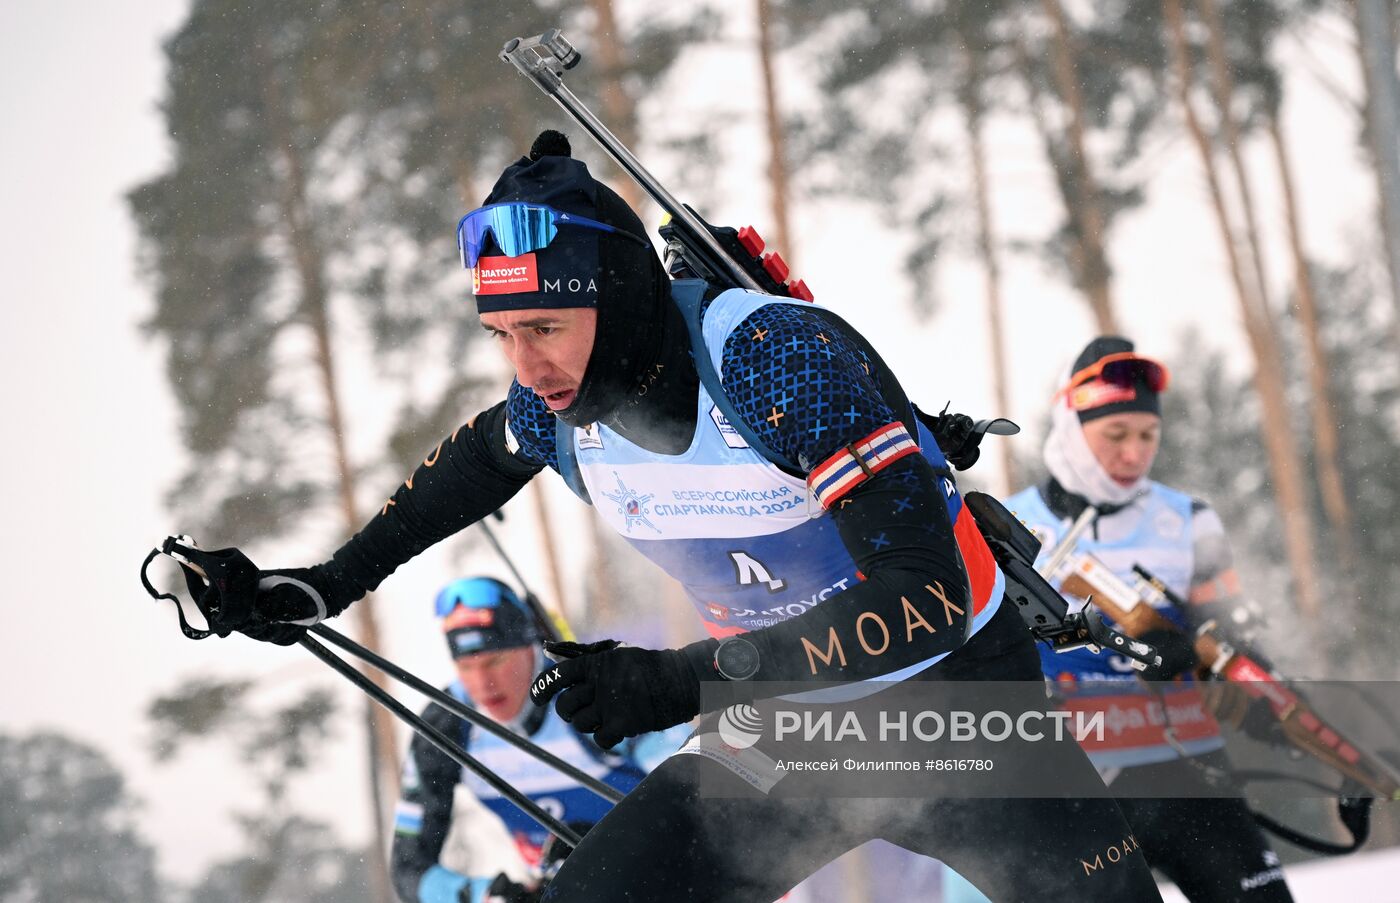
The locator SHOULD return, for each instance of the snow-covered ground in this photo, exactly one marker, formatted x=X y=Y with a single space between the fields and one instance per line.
x=1359 y=878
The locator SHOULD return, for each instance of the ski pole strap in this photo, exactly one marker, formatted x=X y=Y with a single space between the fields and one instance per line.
x=189 y=631
x=221 y=584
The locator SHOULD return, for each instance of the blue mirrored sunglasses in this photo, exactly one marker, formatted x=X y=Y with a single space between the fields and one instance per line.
x=473 y=592
x=519 y=228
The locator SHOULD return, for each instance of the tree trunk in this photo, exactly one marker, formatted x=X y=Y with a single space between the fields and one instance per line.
x=1284 y=465
x=777 y=144
x=1223 y=87
x=1077 y=250
x=551 y=554
x=310 y=265
x=1374 y=28
x=1085 y=208
x=970 y=94
x=442 y=87
x=619 y=112
x=1325 y=437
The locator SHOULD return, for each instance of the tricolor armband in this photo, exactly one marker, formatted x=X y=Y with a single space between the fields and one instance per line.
x=860 y=461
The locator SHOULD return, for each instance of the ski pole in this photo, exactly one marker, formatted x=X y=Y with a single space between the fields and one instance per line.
x=385 y=699
x=466 y=712
x=442 y=742
x=553 y=625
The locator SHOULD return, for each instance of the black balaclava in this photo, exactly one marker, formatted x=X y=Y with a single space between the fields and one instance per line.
x=584 y=267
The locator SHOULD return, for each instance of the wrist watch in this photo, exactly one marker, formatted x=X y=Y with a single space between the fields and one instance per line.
x=736 y=659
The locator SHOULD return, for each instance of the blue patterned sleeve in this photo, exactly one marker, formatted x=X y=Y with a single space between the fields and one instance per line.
x=801 y=383
x=530 y=427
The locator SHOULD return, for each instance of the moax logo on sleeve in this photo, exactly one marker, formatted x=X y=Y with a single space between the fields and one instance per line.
x=875 y=635
x=505 y=275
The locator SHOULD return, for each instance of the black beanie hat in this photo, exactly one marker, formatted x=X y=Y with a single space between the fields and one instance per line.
x=582 y=267
x=482 y=614
x=1095 y=398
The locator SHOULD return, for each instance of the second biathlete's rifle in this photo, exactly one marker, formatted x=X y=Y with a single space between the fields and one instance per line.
x=1244 y=676
x=1134 y=609
x=720 y=255
x=1247 y=678
x=1079 y=573
x=1242 y=682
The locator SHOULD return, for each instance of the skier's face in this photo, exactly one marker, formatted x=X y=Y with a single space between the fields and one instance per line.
x=1125 y=444
x=498 y=681
x=549 y=348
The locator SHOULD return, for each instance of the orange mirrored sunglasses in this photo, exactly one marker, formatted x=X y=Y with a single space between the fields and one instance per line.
x=1123 y=368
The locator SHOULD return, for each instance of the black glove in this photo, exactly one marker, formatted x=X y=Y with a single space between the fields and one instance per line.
x=234 y=595
x=504 y=890
x=288 y=601
x=1178 y=653
x=956 y=435
x=614 y=692
x=1260 y=723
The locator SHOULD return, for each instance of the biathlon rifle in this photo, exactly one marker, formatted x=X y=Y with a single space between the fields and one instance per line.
x=1136 y=609
x=1238 y=682
x=1242 y=678
x=735 y=258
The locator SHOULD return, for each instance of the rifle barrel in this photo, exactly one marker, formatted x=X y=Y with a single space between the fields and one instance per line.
x=538 y=59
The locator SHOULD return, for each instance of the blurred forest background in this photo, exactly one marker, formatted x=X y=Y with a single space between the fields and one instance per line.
x=307 y=300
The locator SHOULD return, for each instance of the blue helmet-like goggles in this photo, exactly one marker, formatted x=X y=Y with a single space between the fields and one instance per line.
x=481 y=614
x=519 y=228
